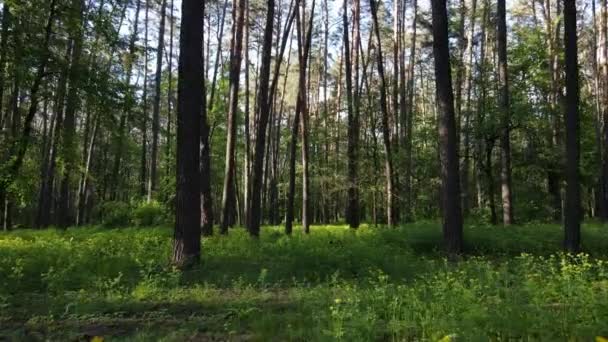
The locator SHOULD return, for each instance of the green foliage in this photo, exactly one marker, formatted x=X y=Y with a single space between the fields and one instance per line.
x=148 y=214
x=115 y=214
x=335 y=284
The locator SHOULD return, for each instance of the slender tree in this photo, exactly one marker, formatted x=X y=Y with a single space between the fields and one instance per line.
x=352 y=210
x=236 y=51
x=153 y=180
x=262 y=113
x=388 y=163
x=505 y=116
x=69 y=147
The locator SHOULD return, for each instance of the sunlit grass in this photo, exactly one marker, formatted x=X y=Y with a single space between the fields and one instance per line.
x=334 y=284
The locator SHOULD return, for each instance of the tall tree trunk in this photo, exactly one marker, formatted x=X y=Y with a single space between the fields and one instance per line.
x=553 y=167
x=448 y=142
x=128 y=105
x=186 y=238
x=388 y=164
x=303 y=100
x=236 y=50
x=143 y=173
x=206 y=196
x=153 y=180
x=69 y=148
x=45 y=199
x=604 y=104
x=409 y=113
x=505 y=116
x=572 y=223
x=467 y=84
x=170 y=95
x=83 y=189
x=4 y=34
x=352 y=210
x=262 y=110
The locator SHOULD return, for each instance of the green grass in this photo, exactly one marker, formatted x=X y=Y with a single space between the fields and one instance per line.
x=335 y=284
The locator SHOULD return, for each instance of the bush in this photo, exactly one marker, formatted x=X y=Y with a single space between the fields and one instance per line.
x=115 y=214
x=148 y=214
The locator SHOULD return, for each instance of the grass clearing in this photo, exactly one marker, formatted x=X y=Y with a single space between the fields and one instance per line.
x=335 y=284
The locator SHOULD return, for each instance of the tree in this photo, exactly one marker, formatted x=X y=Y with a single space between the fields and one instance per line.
x=573 y=205
x=352 y=210
x=236 y=51
x=448 y=144
x=69 y=147
x=153 y=180
x=262 y=110
x=186 y=238
x=304 y=39
x=505 y=113
x=388 y=163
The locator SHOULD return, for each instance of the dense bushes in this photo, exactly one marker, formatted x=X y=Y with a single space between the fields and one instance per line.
x=121 y=214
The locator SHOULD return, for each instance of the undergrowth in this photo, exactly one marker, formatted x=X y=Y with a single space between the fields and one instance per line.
x=334 y=284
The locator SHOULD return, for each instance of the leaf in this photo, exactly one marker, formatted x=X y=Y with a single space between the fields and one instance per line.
x=97 y=339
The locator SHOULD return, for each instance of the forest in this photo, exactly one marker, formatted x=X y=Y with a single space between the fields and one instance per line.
x=303 y=170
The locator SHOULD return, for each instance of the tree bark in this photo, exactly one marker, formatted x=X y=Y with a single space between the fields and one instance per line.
x=388 y=163
x=505 y=116
x=153 y=180
x=4 y=35
x=352 y=210
x=262 y=110
x=143 y=173
x=69 y=147
x=186 y=238
x=448 y=142
x=572 y=224
x=409 y=120
x=236 y=50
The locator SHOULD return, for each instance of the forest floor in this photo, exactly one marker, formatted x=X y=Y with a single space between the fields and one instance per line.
x=335 y=284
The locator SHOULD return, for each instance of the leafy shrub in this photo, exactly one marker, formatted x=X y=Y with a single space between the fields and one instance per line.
x=115 y=214
x=148 y=214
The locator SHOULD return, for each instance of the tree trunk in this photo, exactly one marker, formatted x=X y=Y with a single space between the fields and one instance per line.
x=262 y=110
x=604 y=105
x=409 y=120
x=170 y=95
x=352 y=210
x=153 y=180
x=69 y=147
x=128 y=105
x=4 y=34
x=572 y=223
x=186 y=238
x=143 y=173
x=388 y=164
x=448 y=142
x=45 y=199
x=236 y=50
x=505 y=116
x=466 y=110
